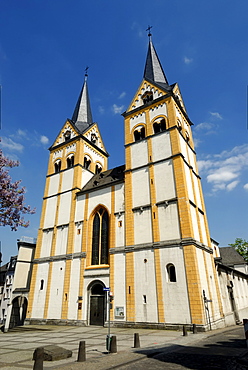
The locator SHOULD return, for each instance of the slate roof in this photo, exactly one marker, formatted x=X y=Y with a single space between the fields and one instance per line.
x=230 y=257
x=105 y=179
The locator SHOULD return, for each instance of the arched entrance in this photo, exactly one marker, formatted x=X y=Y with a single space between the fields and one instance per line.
x=18 y=313
x=97 y=304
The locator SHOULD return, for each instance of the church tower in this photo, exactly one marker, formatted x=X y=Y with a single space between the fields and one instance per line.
x=169 y=261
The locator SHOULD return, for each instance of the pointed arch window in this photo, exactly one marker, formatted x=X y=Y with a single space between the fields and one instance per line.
x=100 y=237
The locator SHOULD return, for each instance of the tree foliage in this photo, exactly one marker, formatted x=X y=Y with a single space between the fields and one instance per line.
x=12 y=205
x=241 y=246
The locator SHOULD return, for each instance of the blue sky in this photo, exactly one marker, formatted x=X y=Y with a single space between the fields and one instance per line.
x=45 y=46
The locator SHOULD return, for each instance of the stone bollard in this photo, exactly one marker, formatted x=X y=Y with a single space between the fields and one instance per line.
x=245 y=322
x=136 y=341
x=38 y=358
x=113 y=344
x=194 y=329
x=81 y=352
x=185 y=333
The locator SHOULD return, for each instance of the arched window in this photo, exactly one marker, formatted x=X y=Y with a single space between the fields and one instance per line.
x=171 y=273
x=159 y=126
x=41 y=284
x=147 y=97
x=67 y=135
x=57 y=166
x=70 y=161
x=139 y=133
x=98 y=169
x=100 y=237
x=87 y=163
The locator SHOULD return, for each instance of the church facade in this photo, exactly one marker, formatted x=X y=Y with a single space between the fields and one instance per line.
x=139 y=230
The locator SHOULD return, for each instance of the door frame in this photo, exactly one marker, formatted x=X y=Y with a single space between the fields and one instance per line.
x=90 y=286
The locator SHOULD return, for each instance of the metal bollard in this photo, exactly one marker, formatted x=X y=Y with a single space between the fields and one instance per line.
x=245 y=322
x=185 y=333
x=136 y=341
x=113 y=345
x=194 y=329
x=38 y=358
x=81 y=352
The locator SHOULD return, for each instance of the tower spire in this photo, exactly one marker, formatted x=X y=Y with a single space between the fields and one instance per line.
x=153 y=68
x=82 y=116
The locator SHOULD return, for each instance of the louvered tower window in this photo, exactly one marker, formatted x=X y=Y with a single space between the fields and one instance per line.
x=100 y=238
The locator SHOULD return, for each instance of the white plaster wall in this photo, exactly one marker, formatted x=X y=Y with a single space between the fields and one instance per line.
x=50 y=213
x=202 y=272
x=74 y=289
x=169 y=227
x=141 y=118
x=119 y=198
x=214 y=305
x=119 y=231
x=161 y=146
x=139 y=154
x=53 y=184
x=78 y=237
x=158 y=110
x=64 y=208
x=141 y=189
x=191 y=157
x=197 y=192
x=67 y=179
x=56 y=291
x=183 y=146
x=175 y=294
x=195 y=227
x=164 y=180
x=80 y=203
x=46 y=243
x=119 y=287
x=71 y=148
x=101 y=196
x=142 y=227
x=145 y=285
x=86 y=176
x=189 y=183
x=21 y=275
x=24 y=254
x=40 y=295
x=61 y=240
x=95 y=156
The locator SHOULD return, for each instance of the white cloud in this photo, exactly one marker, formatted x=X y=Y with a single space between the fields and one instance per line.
x=101 y=109
x=11 y=145
x=122 y=95
x=117 y=109
x=187 y=60
x=21 y=133
x=204 y=126
x=223 y=171
x=44 y=140
x=216 y=115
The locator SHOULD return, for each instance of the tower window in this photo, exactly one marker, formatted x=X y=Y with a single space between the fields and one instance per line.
x=67 y=135
x=147 y=97
x=139 y=133
x=93 y=138
x=41 y=284
x=87 y=163
x=70 y=161
x=100 y=238
x=57 y=166
x=171 y=270
x=159 y=126
x=98 y=169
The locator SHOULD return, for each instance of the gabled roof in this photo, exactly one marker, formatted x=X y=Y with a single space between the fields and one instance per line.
x=82 y=116
x=230 y=257
x=105 y=179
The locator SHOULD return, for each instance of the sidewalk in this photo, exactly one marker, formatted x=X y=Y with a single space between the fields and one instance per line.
x=18 y=345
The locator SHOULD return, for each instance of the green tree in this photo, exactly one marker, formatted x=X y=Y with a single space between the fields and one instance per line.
x=241 y=246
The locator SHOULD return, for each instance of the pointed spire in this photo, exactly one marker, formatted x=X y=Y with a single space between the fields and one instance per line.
x=82 y=116
x=153 y=68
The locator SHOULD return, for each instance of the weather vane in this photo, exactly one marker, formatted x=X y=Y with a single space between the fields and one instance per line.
x=86 y=71
x=149 y=29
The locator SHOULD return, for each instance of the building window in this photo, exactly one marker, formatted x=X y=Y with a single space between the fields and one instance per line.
x=139 y=133
x=67 y=135
x=171 y=273
x=159 y=126
x=98 y=169
x=100 y=236
x=87 y=163
x=93 y=138
x=70 y=161
x=42 y=284
x=57 y=166
x=147 y=97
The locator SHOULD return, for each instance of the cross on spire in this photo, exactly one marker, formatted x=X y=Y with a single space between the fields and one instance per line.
x=149 y=31
x=86 y=72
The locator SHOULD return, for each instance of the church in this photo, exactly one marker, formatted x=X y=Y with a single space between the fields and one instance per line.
x=129 y=244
